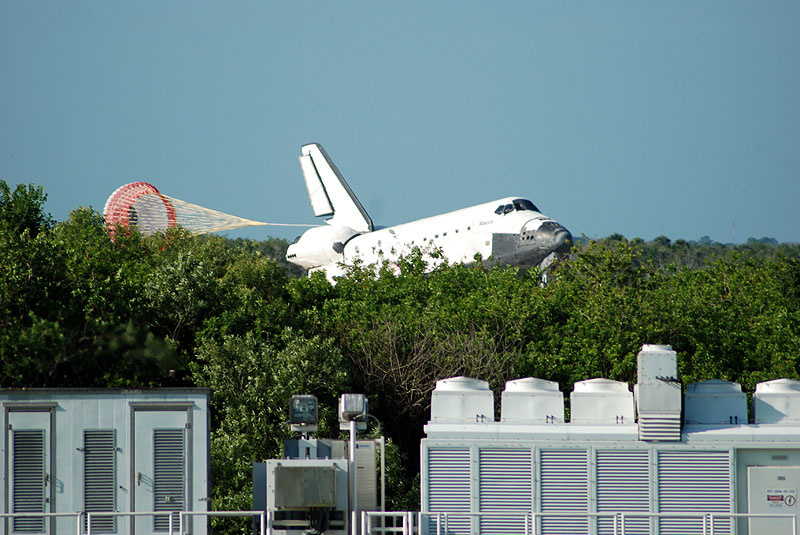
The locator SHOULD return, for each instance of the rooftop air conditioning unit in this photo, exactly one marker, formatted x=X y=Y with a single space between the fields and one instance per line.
x=532 y=400
x=601 y=401
x=462 y=399
x=777 y=402
x=715 y=402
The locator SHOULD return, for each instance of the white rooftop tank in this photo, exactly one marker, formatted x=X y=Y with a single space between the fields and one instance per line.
x=462 y=399
x=601 y=401
x=777 y=401
x=532 y=400
x=715 y=402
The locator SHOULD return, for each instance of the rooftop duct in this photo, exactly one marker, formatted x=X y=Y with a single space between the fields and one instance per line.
x=658 y=394
x=462 y=399
x=656 y=363
x=715 y=402
x=532 y=400
x=777 y=402
x=601 y=401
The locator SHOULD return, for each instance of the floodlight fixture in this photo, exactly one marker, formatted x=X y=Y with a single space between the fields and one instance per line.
x=353 y=407
x=303 y=413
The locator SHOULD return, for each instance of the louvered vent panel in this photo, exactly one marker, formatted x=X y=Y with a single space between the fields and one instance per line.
x=623 y=486
x=659 y=428
x=169 y=478
x=564 y=488
x=99 y=477
x=448 y=489
x=28 y=489
x=694 y=482
x=505 y=485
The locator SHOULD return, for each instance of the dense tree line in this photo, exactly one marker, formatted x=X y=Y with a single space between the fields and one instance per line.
x=77 y=309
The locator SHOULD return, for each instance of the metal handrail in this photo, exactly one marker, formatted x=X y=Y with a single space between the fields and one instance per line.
x=406 y=528
x=93 y=514
x=412 y=521
x=409 y=527
x=77 y=514
x=708 y=518
x=263 y=515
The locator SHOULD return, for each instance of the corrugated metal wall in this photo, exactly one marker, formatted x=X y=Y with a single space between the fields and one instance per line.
x=694 y=481
x=505 y=484
x=448 y=485
x=623 y=484
x=564 y=487
x=467 y=478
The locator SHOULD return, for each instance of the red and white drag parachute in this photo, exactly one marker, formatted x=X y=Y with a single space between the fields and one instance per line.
x=140 y=205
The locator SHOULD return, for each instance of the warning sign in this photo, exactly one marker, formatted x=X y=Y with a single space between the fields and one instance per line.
x=781 y=498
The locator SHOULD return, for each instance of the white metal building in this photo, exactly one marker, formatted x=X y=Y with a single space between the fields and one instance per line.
x=93 y=451
x=657 y=459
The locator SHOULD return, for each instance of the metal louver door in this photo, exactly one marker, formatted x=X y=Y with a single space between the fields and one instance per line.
x=564 y=489
x=100 y=477
x=28 y=479
x=161 y=478
x=694 y=482
x=504 y=486
x=169 y=474
x=623 y=486
x=449 y=490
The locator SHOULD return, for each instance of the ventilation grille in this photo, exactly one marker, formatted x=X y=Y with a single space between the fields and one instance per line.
x=169 y=460
x=449 y=490
x=29 y=480
x=623 y=486
x=662 y=428
x=505 y=486
x=694 y=482
x=99 y=477
x=564 y=489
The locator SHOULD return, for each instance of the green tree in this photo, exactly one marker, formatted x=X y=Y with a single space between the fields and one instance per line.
x=594 y=315
x=22 y=211
x=732 y=321
x=77 y=309
x=65 y=309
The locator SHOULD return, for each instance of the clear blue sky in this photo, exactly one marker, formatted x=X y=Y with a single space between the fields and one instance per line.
x=644 y=118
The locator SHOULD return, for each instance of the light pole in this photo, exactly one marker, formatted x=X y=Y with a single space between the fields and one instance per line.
x=351 y=408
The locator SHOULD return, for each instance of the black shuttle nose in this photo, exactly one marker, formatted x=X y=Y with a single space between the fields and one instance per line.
x=554 y=237
x=564 y=239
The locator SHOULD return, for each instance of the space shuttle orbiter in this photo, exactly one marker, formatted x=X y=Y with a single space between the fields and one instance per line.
x=507 y=231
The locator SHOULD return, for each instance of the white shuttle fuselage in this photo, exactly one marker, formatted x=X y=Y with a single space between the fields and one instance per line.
x=507 y=231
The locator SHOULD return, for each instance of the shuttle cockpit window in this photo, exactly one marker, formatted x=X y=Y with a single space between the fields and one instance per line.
x=516 y=204
x=524 y=204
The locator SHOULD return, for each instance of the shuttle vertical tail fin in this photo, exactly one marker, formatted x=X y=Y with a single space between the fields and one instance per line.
x=329 y=193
